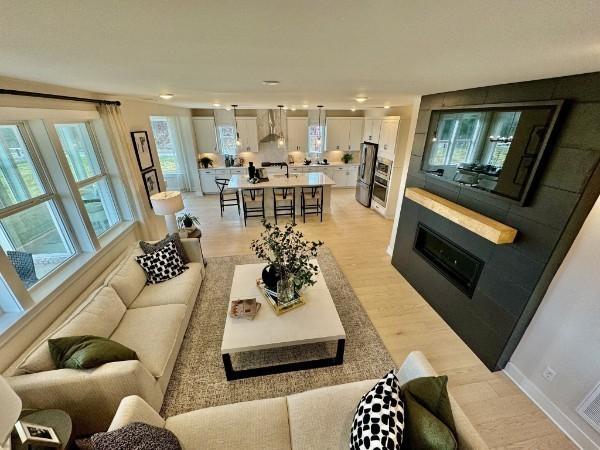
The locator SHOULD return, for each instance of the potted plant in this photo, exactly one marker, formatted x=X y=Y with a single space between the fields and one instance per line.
x=205 y=161
x=288 y=255
x=347 y=158
x=187 y=220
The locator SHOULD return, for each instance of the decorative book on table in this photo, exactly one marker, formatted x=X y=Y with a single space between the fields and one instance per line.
x=245 y=308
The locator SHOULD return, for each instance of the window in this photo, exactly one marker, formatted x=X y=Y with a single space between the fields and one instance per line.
x=32 y=232
x=90 y=176
x=227 y=136
x=164 y=137
x=316 y=138
x=504 y=125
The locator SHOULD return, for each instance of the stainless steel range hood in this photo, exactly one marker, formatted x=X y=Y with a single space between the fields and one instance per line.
x=272 y=136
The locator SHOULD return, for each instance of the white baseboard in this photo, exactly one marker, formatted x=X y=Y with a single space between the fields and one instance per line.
x=390 y=250
x=548 y=407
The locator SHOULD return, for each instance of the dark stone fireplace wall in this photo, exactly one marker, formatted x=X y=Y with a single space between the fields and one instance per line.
x=515 y=276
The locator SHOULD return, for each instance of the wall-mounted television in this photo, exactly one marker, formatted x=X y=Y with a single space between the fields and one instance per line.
x=492 y=148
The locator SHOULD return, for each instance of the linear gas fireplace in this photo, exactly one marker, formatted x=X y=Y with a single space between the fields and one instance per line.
x=459 y=266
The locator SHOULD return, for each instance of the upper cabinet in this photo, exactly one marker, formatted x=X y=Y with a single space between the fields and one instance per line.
x=206 y=137
x=387 y=137
x=297 y=134
x=356 y=133
x=246 y=127
x=344 y=133
x=338 y=133
x=372 y=128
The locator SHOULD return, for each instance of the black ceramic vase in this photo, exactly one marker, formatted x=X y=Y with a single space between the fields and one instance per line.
x=271 y=274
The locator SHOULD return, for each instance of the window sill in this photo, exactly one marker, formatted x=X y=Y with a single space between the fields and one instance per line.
x=44 y=292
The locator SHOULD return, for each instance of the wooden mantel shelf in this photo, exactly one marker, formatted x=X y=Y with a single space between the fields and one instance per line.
x=485 y=227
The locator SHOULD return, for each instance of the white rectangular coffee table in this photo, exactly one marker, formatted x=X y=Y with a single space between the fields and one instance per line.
x=316 y=321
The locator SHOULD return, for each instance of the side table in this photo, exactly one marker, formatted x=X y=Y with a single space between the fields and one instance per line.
x=55 y=418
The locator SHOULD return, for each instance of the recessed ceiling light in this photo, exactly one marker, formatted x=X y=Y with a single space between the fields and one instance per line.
x=216 y=105
x=352 y=109
x=293 y=108
x=228 y=108
x=305 y=106
x=285 y=108
x=361 y=99
x=386 y=107
x=166 y=96
x=270 y=82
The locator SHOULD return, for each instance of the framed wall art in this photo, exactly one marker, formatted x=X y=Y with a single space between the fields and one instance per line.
x=141 y=144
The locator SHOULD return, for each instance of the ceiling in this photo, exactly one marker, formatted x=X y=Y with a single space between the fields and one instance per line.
x=322 y=52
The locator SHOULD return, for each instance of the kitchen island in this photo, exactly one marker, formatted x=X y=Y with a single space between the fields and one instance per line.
x=296 y=180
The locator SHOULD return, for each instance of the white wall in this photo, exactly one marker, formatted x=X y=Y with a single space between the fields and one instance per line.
x=565 y=335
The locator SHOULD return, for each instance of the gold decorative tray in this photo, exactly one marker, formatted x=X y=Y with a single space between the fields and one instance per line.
x=277 y=306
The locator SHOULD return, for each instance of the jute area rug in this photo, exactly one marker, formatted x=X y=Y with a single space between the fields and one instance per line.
x=198 y=380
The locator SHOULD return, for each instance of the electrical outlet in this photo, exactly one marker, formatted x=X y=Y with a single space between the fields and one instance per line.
x=549 y=373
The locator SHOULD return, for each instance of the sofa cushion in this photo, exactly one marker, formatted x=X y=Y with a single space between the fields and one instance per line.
x=152 y=333
x=87 y=352
x=99 y=315
x=322 y=418
x=151 y=247
x=128 y=279
x=254 y=425
x=178 y=290
x=161 y=265
x=379 y=418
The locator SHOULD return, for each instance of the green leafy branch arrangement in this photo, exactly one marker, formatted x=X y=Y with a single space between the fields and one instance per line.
x=287 y=248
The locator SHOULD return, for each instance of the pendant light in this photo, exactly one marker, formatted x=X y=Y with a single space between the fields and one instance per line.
x=320 y=129
x=238 y=142
x=281 y=140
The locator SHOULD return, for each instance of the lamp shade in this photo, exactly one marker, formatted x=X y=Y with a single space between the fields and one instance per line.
x=9 y=410
x=166 y=203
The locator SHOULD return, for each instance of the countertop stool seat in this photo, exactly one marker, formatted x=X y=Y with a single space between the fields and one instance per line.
x=311 y=201
x=253 y=203
x=227 y=197
x=284 y=202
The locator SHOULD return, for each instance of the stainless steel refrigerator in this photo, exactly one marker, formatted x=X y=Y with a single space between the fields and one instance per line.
x=366 y=173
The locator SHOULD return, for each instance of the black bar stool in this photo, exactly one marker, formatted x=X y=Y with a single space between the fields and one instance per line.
x=253 y=202
x=284 y=203
x=227 y=197
x=311 y=201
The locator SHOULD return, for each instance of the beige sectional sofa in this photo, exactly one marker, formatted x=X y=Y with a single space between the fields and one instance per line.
x=314 y=420
x=150 y=319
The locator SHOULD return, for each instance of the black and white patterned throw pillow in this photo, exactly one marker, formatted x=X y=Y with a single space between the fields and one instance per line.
x=162 y=265
x=379 y=419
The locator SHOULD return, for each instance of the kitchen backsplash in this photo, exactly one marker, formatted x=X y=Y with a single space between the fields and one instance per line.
x=278 y=155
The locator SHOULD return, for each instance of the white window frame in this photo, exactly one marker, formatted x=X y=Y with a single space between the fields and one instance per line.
x=101 y=176
x=50 y=196
x=312 y=148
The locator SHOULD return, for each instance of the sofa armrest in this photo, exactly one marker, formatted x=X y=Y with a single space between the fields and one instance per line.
x=135 y=409
x=91 y=397
x=193 y=249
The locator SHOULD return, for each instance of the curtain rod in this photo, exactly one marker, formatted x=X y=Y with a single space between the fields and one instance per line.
x=58 y=97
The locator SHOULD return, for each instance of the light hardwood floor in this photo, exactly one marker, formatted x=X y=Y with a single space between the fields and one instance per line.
x=358 y=237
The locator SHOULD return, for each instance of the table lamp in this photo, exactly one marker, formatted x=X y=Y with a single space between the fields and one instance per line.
x=9 y=412
x=167 y=204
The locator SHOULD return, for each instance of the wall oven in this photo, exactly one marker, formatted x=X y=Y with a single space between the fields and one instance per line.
x=380 y=185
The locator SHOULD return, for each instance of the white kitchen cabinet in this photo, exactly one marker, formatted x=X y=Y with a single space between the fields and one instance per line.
x=372 y=129
x=238 y=170
x=296 y=169
x=387 y=138
x=207 y=181
x=248 y=134
x=351 y=176
x=356 y=133
x=206 y=136
x=338 y=133
x=297 y=134
x=339 y=176
x=330 y=172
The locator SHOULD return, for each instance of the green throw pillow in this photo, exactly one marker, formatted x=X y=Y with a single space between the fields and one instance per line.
x=85 y=352
x=429 y=423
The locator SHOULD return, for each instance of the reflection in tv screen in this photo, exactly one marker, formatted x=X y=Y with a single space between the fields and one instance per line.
x=494 y=149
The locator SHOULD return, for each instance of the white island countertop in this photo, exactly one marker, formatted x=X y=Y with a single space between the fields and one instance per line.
x=280 y=180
